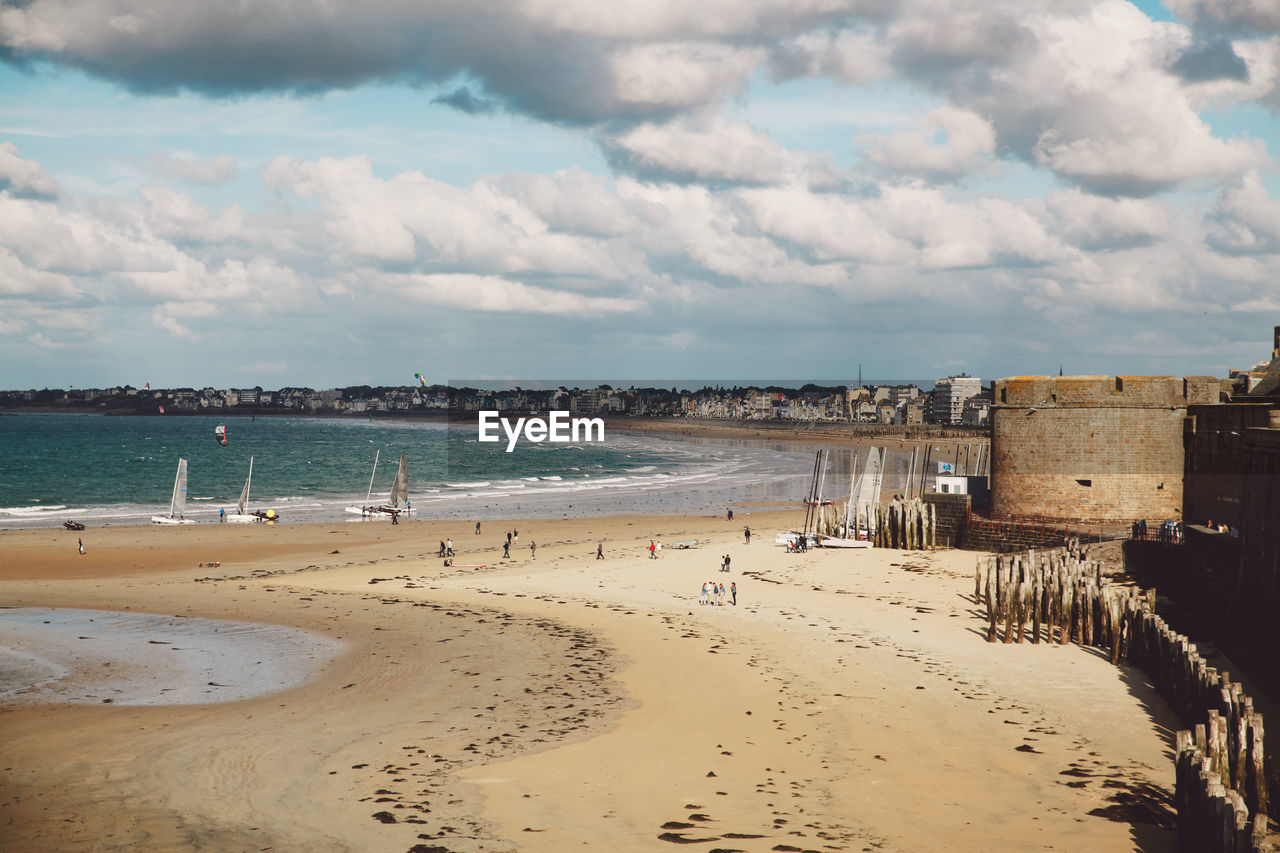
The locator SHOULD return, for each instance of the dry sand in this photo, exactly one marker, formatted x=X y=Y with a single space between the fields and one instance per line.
x=847 y=702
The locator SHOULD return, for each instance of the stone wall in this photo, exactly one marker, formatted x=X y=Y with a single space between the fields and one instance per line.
x=1259 y=595
x=952 y=510
x=1216 y=460
x=1092 y=448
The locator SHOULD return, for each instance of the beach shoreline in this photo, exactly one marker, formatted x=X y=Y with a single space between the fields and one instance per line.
x=847 y=699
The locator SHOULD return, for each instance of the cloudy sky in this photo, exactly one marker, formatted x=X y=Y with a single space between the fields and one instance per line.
x=331 y=192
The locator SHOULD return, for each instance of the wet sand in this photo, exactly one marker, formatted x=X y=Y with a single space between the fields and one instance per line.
x=847 y=702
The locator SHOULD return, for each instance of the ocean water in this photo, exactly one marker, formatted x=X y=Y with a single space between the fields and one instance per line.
x=120 y=470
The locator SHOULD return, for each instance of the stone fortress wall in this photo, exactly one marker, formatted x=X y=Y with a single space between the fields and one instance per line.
x=1092 y=448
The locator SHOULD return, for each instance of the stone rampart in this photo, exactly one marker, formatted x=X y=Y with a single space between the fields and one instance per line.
x=1092 y=448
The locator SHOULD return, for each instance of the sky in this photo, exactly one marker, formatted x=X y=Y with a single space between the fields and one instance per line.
x=327 y=192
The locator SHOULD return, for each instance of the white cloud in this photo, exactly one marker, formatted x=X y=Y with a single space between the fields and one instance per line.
x=1248 y=15
x=679 y=75
x=23 y=177
x=1099 y=223
x=411 y=219
x=1245 y=220
x=712 y=150
x=967 y=146
x=17 y=279
x=491 y=293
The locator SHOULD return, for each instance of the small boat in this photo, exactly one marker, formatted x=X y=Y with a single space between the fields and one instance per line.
x=242 y=515
x=397 y=504
x=855 y=534
x=177 y=503
x=73 y=525
x=792 y=539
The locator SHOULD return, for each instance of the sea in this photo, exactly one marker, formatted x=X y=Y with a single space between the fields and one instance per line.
x=120 y=469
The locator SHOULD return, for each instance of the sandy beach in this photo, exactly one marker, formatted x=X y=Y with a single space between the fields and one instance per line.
x=848 y=701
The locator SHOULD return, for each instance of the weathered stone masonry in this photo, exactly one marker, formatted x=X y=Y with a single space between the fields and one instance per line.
x=1092 y=448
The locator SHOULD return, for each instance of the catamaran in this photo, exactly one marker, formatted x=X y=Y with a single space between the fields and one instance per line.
x=856 y=529
x=178 y=503
x=242 y=515
x=397 y=504
x=808 y=536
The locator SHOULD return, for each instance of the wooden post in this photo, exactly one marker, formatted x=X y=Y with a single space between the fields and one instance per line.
x=992 y=615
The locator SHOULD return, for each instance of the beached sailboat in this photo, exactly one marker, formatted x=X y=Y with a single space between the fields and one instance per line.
x=242 y=515
x=398 y=502
x=854 y=534
x=808 y=536
x=177 y=503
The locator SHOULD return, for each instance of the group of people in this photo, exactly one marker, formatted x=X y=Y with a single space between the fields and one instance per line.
x=724 y=563
x=713 y=593
x=1222 y=528
x=513 y=538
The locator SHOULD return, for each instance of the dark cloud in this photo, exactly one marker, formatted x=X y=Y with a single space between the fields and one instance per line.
x=1215 y=60
x=464 y=100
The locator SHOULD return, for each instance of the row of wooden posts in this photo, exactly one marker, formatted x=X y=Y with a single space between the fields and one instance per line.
x=910 y=525
x=1061 y=596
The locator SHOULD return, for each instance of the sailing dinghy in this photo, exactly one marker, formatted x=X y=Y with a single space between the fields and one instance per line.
x=178 y=503
x=242 y=515
x=398 y=502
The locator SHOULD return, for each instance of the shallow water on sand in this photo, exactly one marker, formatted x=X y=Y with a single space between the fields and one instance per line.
x=102 y=656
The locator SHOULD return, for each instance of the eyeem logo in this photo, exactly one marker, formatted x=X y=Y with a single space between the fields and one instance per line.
x=559 y=428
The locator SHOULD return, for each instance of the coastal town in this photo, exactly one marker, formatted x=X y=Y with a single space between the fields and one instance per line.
x=953 y=400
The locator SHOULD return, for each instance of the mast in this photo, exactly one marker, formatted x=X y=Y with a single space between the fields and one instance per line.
x=244 y=493
x=369 y=493
x=849 y=508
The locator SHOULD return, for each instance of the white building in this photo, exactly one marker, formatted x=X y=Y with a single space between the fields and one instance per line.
x=946 y=404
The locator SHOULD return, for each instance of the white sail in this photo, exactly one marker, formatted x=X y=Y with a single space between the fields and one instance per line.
x=244 y=493
x=242 y=515
x=869 y=492
x=178 y=505
x=400 y=486
x=178 y=501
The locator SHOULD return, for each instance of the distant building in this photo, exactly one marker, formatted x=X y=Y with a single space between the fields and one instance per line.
x=946 y=403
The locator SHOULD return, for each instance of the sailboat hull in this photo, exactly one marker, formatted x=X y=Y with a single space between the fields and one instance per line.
x=377 y=511
x=164 y=519
x=836 y=542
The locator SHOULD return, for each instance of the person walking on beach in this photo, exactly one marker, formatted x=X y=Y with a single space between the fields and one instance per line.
x=653 y=550
x=746 y=535
x=728 y=514
x=448 y=547
x=508 y=537
x=477 y=528
x=440 y=553
x=727 y=560
x=733 y=591
x=516 y=537
x=599 y=550
x=80 y=545
x=705 y=593
x=222 y=513
x=506 y=550
x=395 y=518
x=533 y=550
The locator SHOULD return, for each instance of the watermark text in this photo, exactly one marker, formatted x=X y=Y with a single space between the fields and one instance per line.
x=557 y=428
